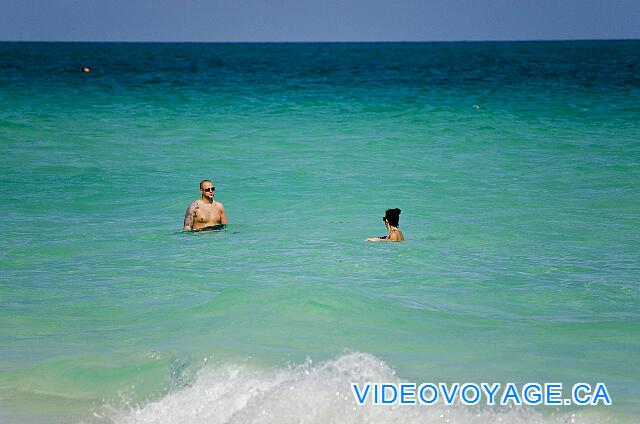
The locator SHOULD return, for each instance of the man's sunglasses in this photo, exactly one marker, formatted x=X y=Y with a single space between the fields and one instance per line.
x=211 y=189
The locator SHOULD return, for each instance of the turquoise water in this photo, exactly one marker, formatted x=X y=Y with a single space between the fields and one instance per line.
x=516 y=166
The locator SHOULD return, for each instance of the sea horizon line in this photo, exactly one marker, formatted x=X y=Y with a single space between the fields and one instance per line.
x=549 y=40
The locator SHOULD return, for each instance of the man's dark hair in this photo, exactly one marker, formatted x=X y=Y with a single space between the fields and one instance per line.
x=204 y=181
x=393 y=216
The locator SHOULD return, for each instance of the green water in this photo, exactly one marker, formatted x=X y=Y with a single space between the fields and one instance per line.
x=516 y=166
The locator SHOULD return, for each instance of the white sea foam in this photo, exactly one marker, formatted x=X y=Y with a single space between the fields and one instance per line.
x=309 y=393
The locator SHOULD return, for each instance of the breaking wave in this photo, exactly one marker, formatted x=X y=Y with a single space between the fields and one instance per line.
x=308 y=393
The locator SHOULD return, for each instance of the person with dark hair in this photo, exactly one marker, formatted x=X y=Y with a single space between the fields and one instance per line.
x=205 y=212
x=390 y=219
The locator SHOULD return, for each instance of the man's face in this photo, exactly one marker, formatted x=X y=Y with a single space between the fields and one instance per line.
x=208 y=190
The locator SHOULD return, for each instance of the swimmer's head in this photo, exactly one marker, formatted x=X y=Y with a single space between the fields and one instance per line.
x=207 y=189
x=86 y=69
x=392 y=216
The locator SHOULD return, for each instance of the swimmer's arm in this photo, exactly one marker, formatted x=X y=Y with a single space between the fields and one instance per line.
x=223 y=215
x=189 y=216
x=385 y=238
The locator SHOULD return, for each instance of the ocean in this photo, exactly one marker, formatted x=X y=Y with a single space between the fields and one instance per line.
x=516 y=166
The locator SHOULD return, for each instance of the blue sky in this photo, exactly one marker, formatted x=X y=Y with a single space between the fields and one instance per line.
x=317 y=20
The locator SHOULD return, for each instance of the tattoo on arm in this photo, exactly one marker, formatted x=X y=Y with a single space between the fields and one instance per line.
x=190 y=215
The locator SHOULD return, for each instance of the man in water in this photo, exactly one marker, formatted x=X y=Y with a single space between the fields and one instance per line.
x=205 y=212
